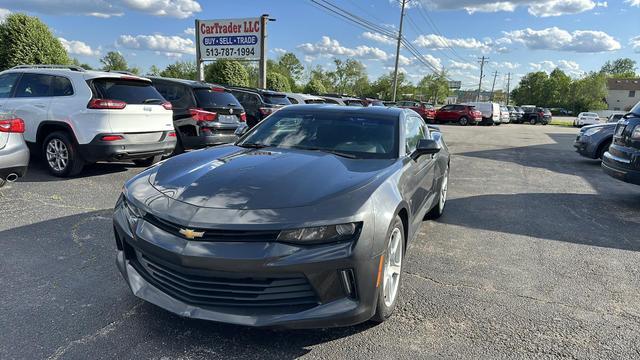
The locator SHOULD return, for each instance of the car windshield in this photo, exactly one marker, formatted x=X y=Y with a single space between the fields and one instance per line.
x=343 y=133
x=207 y=98
x=636 y=109
x=276 y=99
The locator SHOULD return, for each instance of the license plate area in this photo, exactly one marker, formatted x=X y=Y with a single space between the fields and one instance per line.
x=227 y=119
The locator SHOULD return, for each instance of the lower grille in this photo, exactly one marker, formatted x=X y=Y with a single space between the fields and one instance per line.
x=211 y=289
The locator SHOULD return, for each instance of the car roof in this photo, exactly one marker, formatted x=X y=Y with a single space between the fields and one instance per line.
x=187 y=82
x=260 y=91
x=371 y=110
x=304 y=96
x=86 y=74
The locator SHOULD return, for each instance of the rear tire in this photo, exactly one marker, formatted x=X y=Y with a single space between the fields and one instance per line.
x=60 y=155
x=148 y=161
x=389 y=288
x=463 y=121
x=532 y=121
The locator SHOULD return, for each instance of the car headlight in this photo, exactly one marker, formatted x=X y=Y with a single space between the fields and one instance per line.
x=320 y=234
x=131 y=212
x=635 y=135
x=592 y=131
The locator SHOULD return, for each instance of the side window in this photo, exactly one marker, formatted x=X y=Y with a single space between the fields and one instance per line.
x=179 y=96
x=292 y=100
x=7 y=83
x=253 y=100
x=446 y=108
x=415 y=130
x=61 y=86
x=33 y=85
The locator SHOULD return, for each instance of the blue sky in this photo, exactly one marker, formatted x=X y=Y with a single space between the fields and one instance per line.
x=518 y=36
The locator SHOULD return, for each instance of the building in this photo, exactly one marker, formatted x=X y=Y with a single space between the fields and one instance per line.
x=622 y=94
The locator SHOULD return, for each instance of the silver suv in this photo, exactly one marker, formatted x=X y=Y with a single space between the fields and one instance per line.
x=14 y=154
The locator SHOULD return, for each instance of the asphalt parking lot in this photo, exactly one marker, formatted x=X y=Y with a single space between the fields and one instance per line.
x=537 y=255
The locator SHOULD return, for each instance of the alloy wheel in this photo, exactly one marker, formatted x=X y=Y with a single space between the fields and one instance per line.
x=57 y=154
x=443 y=190
x=393 y=267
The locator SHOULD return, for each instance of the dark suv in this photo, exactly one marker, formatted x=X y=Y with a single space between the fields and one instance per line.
x=259 y=103
x=622 y=161
x=536 y=115
x=203 y=114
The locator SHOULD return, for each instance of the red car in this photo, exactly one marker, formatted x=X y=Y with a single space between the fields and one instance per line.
x=462 y=114
x=427 y=111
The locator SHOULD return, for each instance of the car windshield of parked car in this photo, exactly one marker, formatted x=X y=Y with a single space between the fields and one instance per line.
x=212 y=98
x=343 y=133
x=276 y=99
x=636 y=109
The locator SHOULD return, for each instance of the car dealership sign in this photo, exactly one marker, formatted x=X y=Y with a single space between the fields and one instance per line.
x=238 y=39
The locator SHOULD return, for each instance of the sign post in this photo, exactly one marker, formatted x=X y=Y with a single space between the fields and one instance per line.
x=231 y=39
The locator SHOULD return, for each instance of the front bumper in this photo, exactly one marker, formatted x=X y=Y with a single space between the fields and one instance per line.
x=584 y=148
x=621 y=169
x=14 y=157
x=320 y=268
x=98 y=150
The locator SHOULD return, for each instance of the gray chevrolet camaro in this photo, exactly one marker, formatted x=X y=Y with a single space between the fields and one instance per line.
x=302 y=223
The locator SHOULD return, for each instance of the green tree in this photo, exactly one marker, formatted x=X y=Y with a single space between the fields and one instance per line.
x=620 y=68
x=320 y=75
x=532 y=89
x=227 y=72
x=114 y=61
x=180 y=70
x=85 y=66
x=153 y=71
x=27 y=40
x=435 y=87
x=278 y=82
x=346 y=75
x=291 y=66
x=383 y=86
x=314 y=86
x=588 y=93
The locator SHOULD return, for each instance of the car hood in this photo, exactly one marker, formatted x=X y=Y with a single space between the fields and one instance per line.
x=585 y=128
x=232 y=177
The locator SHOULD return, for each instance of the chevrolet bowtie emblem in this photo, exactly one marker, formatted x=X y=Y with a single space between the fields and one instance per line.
x=190 y=234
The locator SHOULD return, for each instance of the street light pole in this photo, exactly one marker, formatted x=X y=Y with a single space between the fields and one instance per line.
x=395 y=71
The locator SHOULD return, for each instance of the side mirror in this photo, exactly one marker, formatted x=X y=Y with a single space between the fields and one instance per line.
x=241 y=129
x=426 y=147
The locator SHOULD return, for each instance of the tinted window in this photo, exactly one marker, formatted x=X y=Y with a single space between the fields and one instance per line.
x=315 y=101
x=33 y=85
x=362 y=136
x=330 y=101
x=61 y=86
x=7 y=83
x=276 y=99
x=210 y=98
x=413 y=132
x=446 y=108
x=129 y=91
x=292 y=100
x=457 y=107
x=355 y=103
x=178 y=95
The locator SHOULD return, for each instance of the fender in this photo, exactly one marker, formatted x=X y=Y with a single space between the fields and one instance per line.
x=40 y=134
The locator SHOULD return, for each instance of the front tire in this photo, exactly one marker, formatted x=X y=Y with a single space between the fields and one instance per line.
x=391 y=273
x=532 y=121
x=463 y=121
x=61 y=155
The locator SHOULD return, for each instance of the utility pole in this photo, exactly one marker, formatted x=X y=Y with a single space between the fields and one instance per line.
x=508 y=83
x=199 y=62
x=262 y=65
x=495 y=75
x=395 y=71
x=482 y=61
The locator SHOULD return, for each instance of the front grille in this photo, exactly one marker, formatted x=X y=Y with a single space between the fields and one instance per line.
x=620 y=129
x=215 y=234
x=215 y=289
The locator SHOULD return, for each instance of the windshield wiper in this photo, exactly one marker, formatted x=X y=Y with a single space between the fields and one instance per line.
x=149 y=101
x=334 y=152
x=253 y=145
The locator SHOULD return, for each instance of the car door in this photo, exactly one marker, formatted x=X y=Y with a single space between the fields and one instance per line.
x=31 y=101
x=442 y=113
x=420 y=172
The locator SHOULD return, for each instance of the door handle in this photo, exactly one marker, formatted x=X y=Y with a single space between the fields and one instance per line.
x=41 y=106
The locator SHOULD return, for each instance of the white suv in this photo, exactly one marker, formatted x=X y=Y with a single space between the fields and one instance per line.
x=74 y=116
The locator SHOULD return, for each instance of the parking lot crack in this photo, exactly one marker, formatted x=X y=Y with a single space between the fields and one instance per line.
x=100 y=333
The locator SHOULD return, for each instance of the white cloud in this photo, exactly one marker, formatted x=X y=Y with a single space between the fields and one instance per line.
x=433 y=41
x=279 y=51
x=162 y=44
x=572 y=68
x=331 y=47
x=633 y=2
x=76 y=47
x=379 y=38
x=554 y=38
x=190 y=31
x=3 y=14
x=507 y=65
x=635 y=42
x=542 y=8
x=546 y=65
x=461 y=65
x=105 y=8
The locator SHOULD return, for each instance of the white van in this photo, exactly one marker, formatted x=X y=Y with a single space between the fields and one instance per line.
x=490 y=112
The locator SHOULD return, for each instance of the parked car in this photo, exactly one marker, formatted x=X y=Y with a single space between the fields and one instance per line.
x=427 y=111
x=490 y=112
x=594 y=140
x=259 y=103
x=461 y=114
x=342 y=100
x=622 y=160
x=505 y=116
x=536 y=115
x=586 y=118
x=513 y=114
x=561 y=112
x=519 y=114
x=390 y=104
x=203 y=114
x=76 y=116
x=614 y=118
x=14 y=153
x=215 y=238
x=296 y=98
